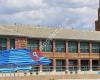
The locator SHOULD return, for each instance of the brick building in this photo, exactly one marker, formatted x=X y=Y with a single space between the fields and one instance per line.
x=67 y=49
x=64 y=47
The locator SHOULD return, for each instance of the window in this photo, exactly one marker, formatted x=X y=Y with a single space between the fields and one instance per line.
x=95 y=47
x=73 y=65
x=48 y=67
x=60 y=46
x=46 y=45
x=73 y=46
x=60 y=65
x=3 y=43
x=12 y=43
x=32 y=43
x=84 y=47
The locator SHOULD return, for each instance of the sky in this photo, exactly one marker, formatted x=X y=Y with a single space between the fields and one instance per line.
x=75 y=14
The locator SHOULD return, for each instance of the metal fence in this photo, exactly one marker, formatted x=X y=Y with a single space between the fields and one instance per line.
x=49 y=69
x=63 y=68
x=36 y=72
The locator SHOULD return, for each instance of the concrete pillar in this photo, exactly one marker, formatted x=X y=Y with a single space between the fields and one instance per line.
x=79 y=60
x=90 y=64
x=79 y=65
x=54 y=60
x=66 y=58
x=90 y=61
x=41 y=68
x=67 y=65
x=54 y=65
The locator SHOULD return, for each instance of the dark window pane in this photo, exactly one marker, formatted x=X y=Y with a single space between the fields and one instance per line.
x=46 y=45
x=3 y=43
x=95 y=47
x=12 y=43
x=60 y=46
x=32 y=43
x=60 y=65
x=73 y=47
x=84 y=47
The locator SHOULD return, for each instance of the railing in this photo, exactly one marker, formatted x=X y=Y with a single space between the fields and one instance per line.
x=47 y=71
x=63 y=68
x=60 y=68
x=96 y=68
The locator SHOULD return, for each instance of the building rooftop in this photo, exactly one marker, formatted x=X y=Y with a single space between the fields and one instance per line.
x=43 y=32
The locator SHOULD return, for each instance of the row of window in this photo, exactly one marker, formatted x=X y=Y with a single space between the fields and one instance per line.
x=47 y=46
x=3 y=43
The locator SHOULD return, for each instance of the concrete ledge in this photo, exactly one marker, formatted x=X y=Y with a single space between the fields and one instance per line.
x=55 y=77
x=49 y=73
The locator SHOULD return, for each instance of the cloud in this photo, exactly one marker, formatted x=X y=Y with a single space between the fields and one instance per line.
x=78 y=14
x=72 y=3
x=15 y=6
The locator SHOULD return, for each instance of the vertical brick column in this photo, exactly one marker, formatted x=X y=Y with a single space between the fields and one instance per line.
x=79 y=60
x=66 y=56
x=66 y=47
x=16 y=43
x=54 y=46
x=90 y=60
x=40 y=46
x=79 y=48
x=54 y=60
x=90 y=47
x=8 y=43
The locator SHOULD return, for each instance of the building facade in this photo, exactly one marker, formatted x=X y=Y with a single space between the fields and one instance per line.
x=68 y=49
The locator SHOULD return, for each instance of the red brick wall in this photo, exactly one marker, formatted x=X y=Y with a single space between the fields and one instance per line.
x=8 y=43
x=20 y=43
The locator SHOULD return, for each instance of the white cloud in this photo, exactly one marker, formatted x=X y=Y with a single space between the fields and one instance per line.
x=21 y=3
x=68 y=13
